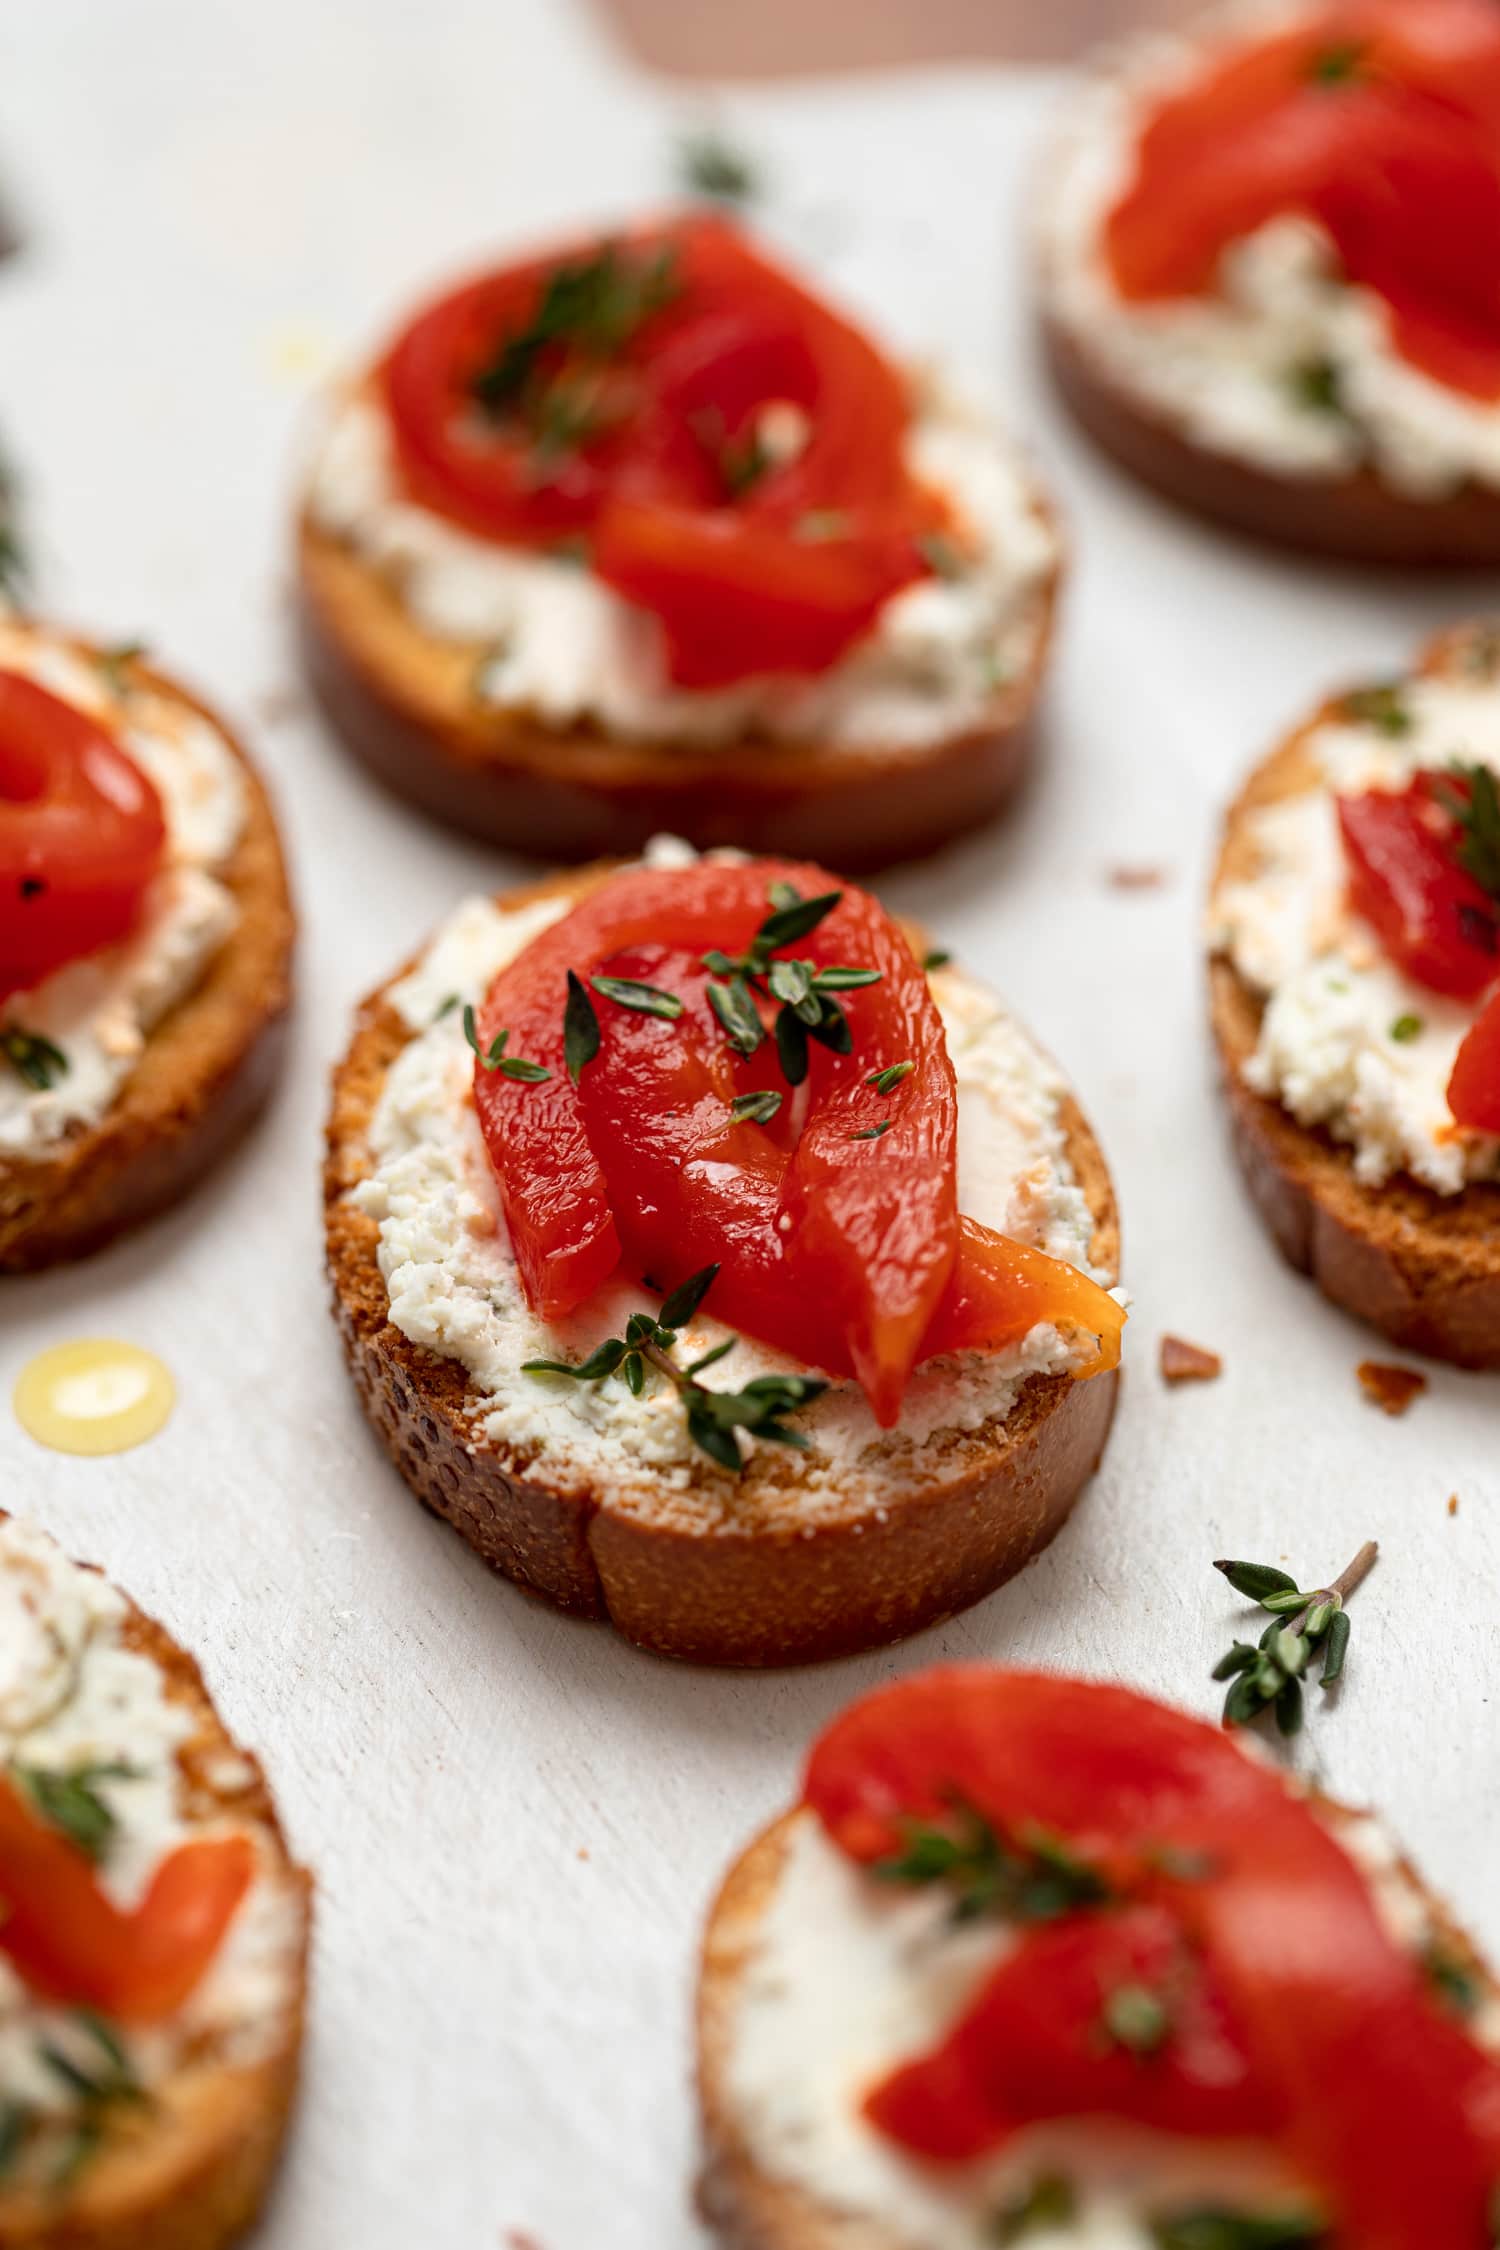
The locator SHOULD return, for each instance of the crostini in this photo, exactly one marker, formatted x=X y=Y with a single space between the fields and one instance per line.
x=1268 y=256
x=1037 y=1959
x=716 y=1267
x=145 y=942
x=1355 y=981
x=153 y=1945
x=642 y=535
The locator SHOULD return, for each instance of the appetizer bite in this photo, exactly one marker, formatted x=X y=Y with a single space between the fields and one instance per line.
x=641 y=534
x=145 y=942
x=1269 y=258
x=1355 y=980
x=1039 y=1959
x=716 y=1267
x=154 y=1936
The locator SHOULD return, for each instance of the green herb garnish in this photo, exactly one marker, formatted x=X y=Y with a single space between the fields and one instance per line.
x=1050 y=2201
x=1452 y=1980
x=1405 y=1029
x=115 y=663
x=71 y=1801
x=1210 y=2228
x=1033 y=1877
x=100 y=2086
x=1269 y=1676
x=1383 y=707
x=759 y=1108
x=580 y=1028
x=641 y=999
x=494 y=1056
x=808 y=1009
x=1473 y=798
x=713 y=1417
x=1315 y=384
x=937 y=958
x=1136 y=2018
x=892 y=1075
x=872 y=1132
x=1341 y=65
x=33 y=1057
x=941 y=556
x=707 y=165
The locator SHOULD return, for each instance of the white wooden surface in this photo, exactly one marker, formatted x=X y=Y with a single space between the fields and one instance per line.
x=516 y=1820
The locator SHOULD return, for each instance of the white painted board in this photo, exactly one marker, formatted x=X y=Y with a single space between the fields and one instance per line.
x=516 y=1820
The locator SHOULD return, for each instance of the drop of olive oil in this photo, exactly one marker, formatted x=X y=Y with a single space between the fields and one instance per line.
x=95 y=1395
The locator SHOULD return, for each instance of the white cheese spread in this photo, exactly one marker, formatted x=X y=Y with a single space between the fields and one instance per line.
x=567 y=649
x=848 y=1978
x=98 y=1011
x=1284 y=366
x=78 y=1701
x=1346 y=1040
x=454 y=1288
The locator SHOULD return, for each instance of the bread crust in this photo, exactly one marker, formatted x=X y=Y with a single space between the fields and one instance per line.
x=1356 y=518
x=196 y=2174
x=402 y=700
x=767 y=1588
x=206 y=1070
x=748 y=2208
x=1422 y=1268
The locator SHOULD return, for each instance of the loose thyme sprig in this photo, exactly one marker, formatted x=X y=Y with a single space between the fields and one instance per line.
x=1031 y=1877
x=33 y=1057
x=494 y=1057
x=713 y=1417
x=808 y=1009
x=1270 y=1675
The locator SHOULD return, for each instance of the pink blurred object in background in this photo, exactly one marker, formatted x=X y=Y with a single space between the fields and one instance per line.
x=783 y=38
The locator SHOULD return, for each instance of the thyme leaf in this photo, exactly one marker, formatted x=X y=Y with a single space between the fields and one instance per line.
x=33 y=1057
x=1032 y=1877
x=641 y=999
x=494 y=1056
x=580 y=1028
x=1473 y=798
x=71 y=1801
x=709 y=166
x=1050 y=2201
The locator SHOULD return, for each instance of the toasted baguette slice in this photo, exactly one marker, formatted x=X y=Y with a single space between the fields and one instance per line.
x=750 y=2208
x=403 y=701
x=676 y=1575
x=207 y=1067
x=1358 y=518
x=1422 y=1268
x=191 y=2170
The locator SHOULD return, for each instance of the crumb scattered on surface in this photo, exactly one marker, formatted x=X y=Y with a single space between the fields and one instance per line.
x=517 y=2238
x=1453 y=1503
x=583 y=1851
x=1392 y=1389
x=1127 y=877
x=1182 y=1362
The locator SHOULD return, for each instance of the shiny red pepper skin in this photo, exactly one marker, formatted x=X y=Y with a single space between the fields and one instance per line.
x=1474 y=1088
x=1433 y=919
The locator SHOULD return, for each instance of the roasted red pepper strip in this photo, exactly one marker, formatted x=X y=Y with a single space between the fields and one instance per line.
x=1474 y=1088
x=845 y=1251
x=1433 y=919
x=1381 y=121
x=81 y=835
x=1387 y=2108
x=663 y=465
x=71 y=1943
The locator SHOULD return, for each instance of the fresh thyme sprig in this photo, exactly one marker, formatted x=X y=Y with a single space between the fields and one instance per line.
x=1209 y=2227
x=1270 y=1675
x=713 y=1417
x=494 y=1057
x=1032 y=1877
x=1383 y=707
x=100 y=2087
x=33 y=1057
x=808 y=1009
x=1473 y=798
x=71 y=1801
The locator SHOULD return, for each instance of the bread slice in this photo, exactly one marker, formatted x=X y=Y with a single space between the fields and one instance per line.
x=764 y=1586
x=192 y=2170
x=1422 y=1268
x=1356 y=518
x=749 y=2208
x=403 y=701
x=207 y=1067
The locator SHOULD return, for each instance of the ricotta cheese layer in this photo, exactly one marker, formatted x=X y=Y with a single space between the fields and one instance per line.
x=848 y=1977
x=78 y=1702
x=99 y=1011
x=454 y=1288
x=566 y=649
x=1346 y=1040
x=1285 y=367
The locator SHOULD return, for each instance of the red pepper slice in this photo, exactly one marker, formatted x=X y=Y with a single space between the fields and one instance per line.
x=838 y=1249
x=683 y=516
x=1433 y=919
x=81 y=835
x=70 y=1942
x=1474 y=1088
x=1381 y=121
x=1387 y=2108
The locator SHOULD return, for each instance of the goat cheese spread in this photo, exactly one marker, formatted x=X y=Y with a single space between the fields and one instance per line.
x=454 y=1289
x=98 y=1011
x=1230 y=371
x=848 y=1977
x=567 y=649
x=79 y=1701
x=1346 y=1040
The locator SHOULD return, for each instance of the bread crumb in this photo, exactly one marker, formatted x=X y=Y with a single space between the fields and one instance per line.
x=1453 y=1503
x=1128 y=878
x=583 y=1851
x=1392 y=1389
x=517 y=2238
x=1182 y=1362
